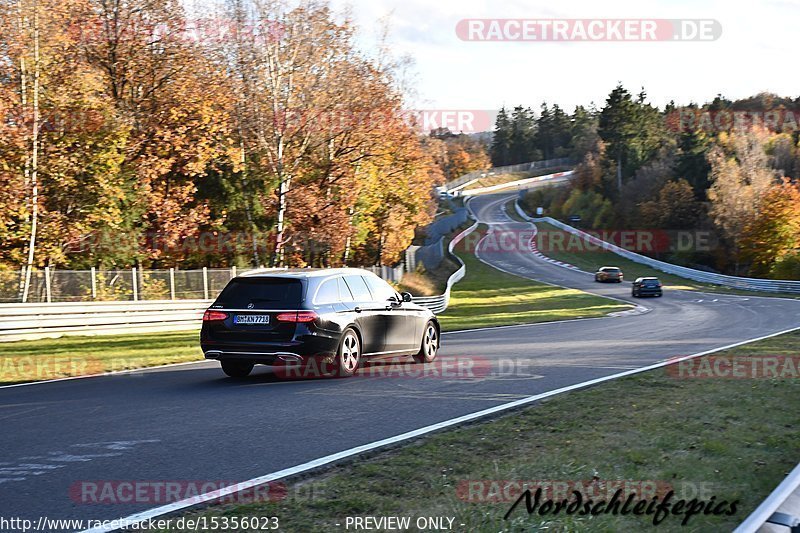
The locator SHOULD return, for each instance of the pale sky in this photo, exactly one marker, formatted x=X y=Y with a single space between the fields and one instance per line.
x=757 y=51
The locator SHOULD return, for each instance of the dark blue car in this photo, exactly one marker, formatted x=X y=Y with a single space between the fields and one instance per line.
x=646 y=287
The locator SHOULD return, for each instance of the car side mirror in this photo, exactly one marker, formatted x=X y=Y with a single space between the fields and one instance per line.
x=406 y=296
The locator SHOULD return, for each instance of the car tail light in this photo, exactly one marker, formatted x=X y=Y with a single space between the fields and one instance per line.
x=298 y=316
x=214 y=316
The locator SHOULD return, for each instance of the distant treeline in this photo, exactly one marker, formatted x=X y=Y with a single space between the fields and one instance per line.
x=726 y=167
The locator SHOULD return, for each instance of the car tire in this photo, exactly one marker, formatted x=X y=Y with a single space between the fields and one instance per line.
x=633 y=293
x=236 y=369
x=429 y=346
x=348 y=356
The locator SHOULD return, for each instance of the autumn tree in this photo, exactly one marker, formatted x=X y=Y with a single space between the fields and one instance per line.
x=772 y=237
x=463 y=154
x=675 y=207
x=170 y=106
x=740 y=176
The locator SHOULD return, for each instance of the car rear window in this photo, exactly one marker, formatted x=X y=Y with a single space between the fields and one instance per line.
x=327 y=293
x=651 y=282
x=611 y=270
x=263 y=293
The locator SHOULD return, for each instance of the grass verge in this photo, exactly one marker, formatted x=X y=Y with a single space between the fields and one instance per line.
x=37 y=360
x=489 y=297
x=734 y=439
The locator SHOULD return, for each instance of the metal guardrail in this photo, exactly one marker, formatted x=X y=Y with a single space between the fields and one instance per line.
x=522 y=167
x=430 y=255
x=765 y=513
x=734 y=282
x=444 y=225
x=37 y=321
x=518 y=184
x=439 y=303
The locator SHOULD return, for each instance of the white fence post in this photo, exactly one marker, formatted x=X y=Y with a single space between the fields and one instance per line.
x=47 y=284
x=171 y=283
x=135 y=285
x=233 y=271
x=205 y=283
x=22 y=284
x=94 y=283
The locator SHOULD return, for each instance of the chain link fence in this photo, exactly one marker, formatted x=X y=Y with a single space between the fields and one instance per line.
x=51 y=285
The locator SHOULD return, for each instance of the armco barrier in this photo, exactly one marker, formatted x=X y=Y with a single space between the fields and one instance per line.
x=439 y=303
x=767 y=512
x=522 y=167
x=518 y=184
x=36 y=321
x=734 y=282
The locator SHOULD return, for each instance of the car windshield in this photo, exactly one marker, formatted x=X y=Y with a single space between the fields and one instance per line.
x=262 y=293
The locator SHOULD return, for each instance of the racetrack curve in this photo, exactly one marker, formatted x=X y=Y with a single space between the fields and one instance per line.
x=191 y=423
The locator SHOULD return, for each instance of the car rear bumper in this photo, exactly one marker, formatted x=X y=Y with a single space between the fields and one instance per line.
x=293 y=352
x=649 y=292
x=274 y=358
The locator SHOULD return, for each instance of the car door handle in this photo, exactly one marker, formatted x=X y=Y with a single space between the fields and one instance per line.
x=357 y=309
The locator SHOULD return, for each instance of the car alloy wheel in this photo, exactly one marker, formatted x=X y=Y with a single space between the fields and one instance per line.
x=349 y=353
x=430 y=344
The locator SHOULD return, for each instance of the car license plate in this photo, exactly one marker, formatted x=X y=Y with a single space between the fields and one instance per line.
x=247 y=320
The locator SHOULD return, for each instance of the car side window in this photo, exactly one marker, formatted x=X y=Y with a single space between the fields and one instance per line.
x=344 y=292
x=358 y=288
x=327 y=293
x=381 y=290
